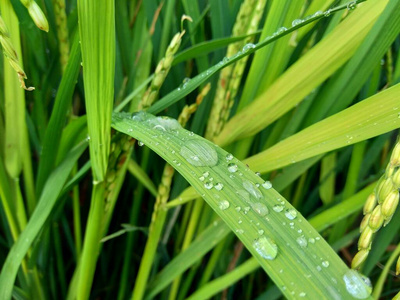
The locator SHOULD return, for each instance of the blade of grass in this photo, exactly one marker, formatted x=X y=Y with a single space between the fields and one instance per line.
x=194 y=156
x=371 y=117
x=46 y=202
x=325 y=58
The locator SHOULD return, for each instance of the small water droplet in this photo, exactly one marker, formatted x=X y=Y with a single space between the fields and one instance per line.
x=238 y=208
x=281 y=30
x=260 y=208
x=140 y=143
x=318 y=13
x=229 y=157
x=267 y=185
x=278 y=208
x=199 y=153
x=201 y=178
x=302 y=294
x=240 y=231
x=248 y=46
x=325 y=263
x=261 y=232
x=302 y=241
x=291 y=214
x=328 y=13
x=297 y=22
x=357 y=285
x=223 y=204
x=232 y=168
x=208 y=185
x=219 y=186
x=351 y=5
x=266 y=247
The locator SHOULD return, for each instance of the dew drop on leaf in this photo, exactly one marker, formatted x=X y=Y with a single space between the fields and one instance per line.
x=266 y=247
x=291 y=214
x=229 y=157
x=260 y=208
x=232 y=168
x=278 y=208
x=357 y=285
x=223 y=204
x=267 y=185
x=252 y=189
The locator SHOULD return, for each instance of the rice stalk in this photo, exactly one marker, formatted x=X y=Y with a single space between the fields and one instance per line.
x=247 y=22
x=62 y=31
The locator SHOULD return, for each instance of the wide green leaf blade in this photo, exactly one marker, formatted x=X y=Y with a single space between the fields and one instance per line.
x=288 y=248
x=371 y=117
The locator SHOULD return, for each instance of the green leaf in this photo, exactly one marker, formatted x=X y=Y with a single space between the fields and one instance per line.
x=366 y=119
x=46 y=203
x=287 y=247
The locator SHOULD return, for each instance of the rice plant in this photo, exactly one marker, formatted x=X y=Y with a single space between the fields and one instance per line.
x=221 y=149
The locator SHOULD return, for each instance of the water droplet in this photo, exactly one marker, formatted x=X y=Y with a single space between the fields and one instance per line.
x=280 y=30
x=223 y=204
x=232 y=167
x=267 y=185
x=328 y=13
x=325 y=263
x=296 y=22
x=266 y=247
x=199 y=153
x=206 y=174
x=302 y=294
x=208 y=185
x=240 y=231
x=238 y=208
x=229 y=157
x=201 y=178
x=219 y=186
x=291 y=214
x=278 y=208
x=252 y=189
x=258 y=174
x=260 y=208
x=357 y=285
x=302 y=241
x=225 y=60
x=246 y=210
x=248 y=46
x=311 y=240
x=318 y=13
x=140 y=143
x=351 y=5
x=261 y=232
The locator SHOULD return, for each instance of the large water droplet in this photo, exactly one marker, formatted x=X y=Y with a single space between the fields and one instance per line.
x=357 y=285
x=223 y=204
x=260 y=208
x=291 y=214
x=199 y=153
x=232 y=168
x=266 y=248
x=252 y=189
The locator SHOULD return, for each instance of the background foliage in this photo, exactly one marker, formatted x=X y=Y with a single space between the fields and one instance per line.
x=304 y=93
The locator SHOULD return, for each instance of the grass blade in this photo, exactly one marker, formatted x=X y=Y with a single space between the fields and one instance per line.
x=268 y=236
